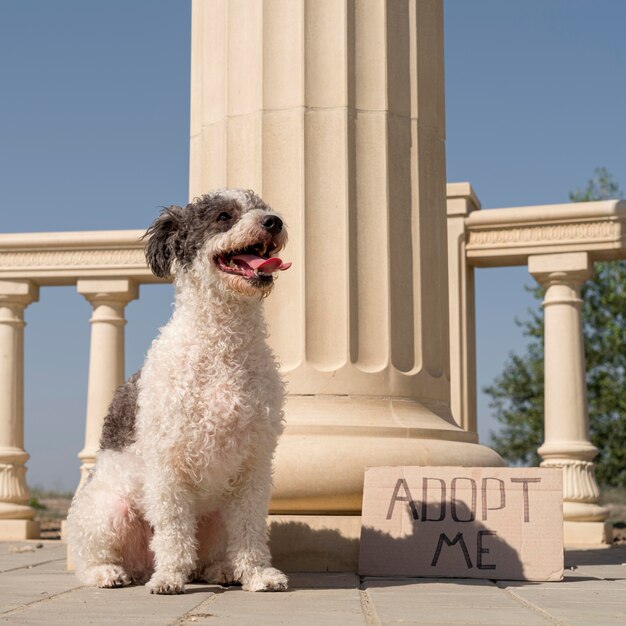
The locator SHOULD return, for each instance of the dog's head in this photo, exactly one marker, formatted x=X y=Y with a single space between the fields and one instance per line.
x=229 y=237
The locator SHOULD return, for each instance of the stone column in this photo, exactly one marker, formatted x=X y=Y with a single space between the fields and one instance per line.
x=461 y=202
x=15 y=514
x=333 y=110
x=108 y=298
x=567 y=443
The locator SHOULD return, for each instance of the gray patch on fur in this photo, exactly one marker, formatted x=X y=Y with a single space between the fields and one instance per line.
x=178 y=233
x=118 y=431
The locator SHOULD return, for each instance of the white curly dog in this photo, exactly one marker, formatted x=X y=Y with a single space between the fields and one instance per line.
x=182 y=482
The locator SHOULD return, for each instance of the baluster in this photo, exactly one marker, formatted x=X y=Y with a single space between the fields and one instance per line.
x=567 y=443
x=15 y=514
x=108 y=298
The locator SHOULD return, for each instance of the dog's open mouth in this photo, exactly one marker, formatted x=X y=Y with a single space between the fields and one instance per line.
x=254 y=263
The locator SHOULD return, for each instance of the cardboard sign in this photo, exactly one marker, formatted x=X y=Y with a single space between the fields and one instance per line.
x=459 y=522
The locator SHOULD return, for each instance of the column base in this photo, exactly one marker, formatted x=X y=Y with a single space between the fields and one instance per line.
x=330 y=440
x=315 y=543
x=587 y=534
x=18 y=529
x=578 y=512
x=14 y=511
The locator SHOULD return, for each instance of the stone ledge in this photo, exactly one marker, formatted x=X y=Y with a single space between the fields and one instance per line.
x=587 y=534
x=502 y=237
x=18 y=529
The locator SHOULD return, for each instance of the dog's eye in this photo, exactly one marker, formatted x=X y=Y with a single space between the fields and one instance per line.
x=224 y=217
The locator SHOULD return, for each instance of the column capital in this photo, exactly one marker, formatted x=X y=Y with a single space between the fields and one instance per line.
x=121 y=290
x=568 y=268
x=21 y=292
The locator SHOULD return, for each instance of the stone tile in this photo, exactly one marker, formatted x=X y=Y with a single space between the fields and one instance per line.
x=25 y=586
x=451 y=611
x=458 y=616
x=312 y=606
x=426 y=601
x=578 y=603
x=587 y=590
x=430 y=585
x=114 y=607
x=51 y=550
x=577 y=580
x=607 y=572
x=584 y=616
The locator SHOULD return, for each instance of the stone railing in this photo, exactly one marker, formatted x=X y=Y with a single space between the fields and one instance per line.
x=559 y=244
x=107 y=269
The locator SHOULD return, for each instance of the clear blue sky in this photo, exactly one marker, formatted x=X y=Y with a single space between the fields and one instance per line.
x=94 y=124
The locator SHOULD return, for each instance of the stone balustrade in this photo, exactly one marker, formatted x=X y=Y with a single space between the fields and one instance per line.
x=558 y=243
x=107 y=268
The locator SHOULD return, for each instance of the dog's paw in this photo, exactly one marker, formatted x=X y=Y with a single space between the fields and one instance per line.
x=219 y=573
x=166 y=583
x=266 y=579
x=108 y=576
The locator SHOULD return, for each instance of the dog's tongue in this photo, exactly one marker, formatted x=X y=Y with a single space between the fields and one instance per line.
x=258 y=263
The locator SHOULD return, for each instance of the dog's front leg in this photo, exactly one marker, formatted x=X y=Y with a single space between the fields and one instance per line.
x=245 y=518
x=169 y=510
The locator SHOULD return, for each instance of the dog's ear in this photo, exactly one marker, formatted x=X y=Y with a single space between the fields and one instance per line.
x=166 y=241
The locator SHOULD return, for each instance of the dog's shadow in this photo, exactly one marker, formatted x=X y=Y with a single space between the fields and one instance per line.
x=293 y=543
x=324 y=551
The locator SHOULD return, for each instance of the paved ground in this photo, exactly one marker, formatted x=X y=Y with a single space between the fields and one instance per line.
x=36 y=589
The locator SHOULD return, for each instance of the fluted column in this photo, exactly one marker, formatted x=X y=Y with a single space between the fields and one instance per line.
x=108 y=298
x=15 y=513
x=333 y=110
x=567 y=443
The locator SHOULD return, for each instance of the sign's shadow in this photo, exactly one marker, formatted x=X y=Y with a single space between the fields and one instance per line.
x=450 y=548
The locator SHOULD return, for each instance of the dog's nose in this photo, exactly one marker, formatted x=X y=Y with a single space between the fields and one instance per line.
x=273 y=223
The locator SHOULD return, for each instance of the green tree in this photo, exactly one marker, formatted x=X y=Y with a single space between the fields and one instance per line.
x=517 y=393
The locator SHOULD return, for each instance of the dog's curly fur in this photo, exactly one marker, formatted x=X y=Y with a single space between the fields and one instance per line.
x=181 y=486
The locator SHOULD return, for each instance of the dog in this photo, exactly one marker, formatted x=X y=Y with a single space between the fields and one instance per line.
x=181 y=484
